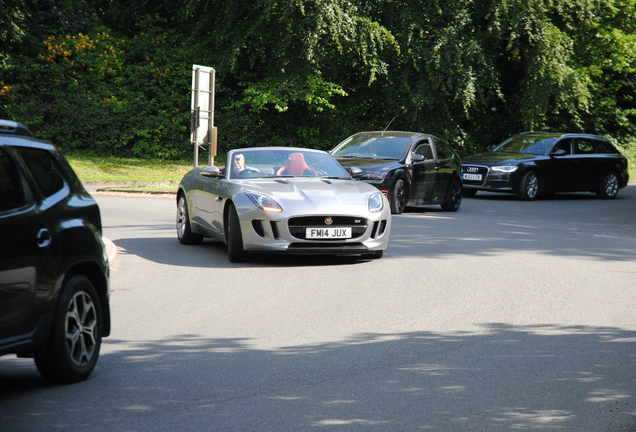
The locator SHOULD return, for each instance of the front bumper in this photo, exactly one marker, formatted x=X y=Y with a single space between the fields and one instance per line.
x=490 y=181
x=265 y=232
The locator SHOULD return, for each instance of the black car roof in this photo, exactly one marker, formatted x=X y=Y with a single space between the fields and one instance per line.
x=395 y=133
x=25 y=141
x=562 y=135
x=8 y=127
x=17 y=134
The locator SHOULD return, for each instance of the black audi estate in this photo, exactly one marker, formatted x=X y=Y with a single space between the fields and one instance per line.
x=533 y=163
x=54 y=272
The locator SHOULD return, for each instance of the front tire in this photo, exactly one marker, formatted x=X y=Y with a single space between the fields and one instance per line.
x=184 y=231
x=609 y=186
x=71 y=353
x=454 y=199
x=529 y=186
x=399 y=197
x=235 y=250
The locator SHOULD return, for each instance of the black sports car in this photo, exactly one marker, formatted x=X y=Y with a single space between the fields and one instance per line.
x=532 y=163
x=410 y=168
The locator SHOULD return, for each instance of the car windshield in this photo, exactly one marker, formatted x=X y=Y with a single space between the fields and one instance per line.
x=530 y=144
x=375 y=147
x=268 y=163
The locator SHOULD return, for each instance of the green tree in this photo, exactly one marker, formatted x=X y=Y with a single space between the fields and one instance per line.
x=285 y=66
x=311 y=72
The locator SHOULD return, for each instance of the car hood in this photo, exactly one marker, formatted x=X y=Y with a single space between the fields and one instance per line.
x=311 y=194
x=495 y=158
x=369 y=164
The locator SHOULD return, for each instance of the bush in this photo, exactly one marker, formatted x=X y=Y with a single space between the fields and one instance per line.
x=106 y=94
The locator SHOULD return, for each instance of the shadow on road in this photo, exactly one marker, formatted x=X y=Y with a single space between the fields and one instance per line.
x=212 y=253
x=501 y=377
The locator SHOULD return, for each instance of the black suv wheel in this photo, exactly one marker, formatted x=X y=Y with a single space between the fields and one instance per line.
x=71 y=351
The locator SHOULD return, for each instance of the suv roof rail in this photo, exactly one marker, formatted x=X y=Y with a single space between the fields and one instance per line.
x=14 y=128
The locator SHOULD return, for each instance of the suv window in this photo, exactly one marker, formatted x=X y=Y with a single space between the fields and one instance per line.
x=605 y=147
x=584 y=146
x=45 y=170
x=11 y=193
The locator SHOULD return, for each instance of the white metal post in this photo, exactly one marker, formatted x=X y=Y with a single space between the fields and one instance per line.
x=203 y=131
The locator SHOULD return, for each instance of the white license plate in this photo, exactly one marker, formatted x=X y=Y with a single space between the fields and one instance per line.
x=327 y=233
x=471 y=176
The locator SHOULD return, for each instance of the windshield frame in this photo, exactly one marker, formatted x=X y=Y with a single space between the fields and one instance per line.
x=266 y=162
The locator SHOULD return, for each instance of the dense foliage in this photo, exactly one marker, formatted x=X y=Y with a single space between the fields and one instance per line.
x=113 y=78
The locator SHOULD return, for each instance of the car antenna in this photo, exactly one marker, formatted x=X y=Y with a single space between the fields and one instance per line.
x=387 y=126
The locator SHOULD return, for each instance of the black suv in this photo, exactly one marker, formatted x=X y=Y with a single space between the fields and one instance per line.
x=54 y=273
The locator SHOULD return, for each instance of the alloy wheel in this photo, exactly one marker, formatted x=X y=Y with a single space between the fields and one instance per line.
x=81 y=327
x=532 y=186
x=611 y=185
x=181 y=217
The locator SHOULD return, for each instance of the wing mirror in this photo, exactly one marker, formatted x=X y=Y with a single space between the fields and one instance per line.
x=559 y=152
x=356 y=173
x=417 y=158
x=211 y=171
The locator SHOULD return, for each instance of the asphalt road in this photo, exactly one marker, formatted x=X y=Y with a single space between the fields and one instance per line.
x=506 y=315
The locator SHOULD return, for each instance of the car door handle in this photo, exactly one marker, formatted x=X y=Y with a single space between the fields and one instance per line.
x=43 y=238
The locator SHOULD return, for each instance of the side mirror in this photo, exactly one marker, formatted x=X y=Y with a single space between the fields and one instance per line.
x=417 y=158
x=210 y=171
x=559 y=152
x=356 y=173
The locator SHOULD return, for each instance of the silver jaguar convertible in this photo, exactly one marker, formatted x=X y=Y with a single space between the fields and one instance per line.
x=283 y=200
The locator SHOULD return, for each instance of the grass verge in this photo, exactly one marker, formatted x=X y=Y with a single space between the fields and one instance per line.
x=112 y=169
x=122 y=170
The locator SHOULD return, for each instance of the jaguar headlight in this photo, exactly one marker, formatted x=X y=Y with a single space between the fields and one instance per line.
x=264 y=202
x=505 y=168
x=375 y=202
